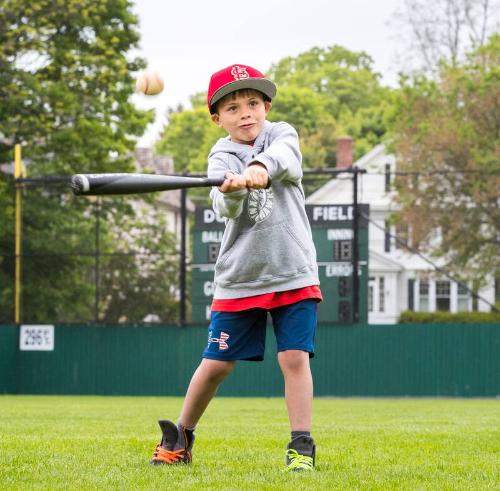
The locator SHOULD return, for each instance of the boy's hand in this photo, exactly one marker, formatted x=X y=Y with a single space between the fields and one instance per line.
x=233 y=182
x=256 y=176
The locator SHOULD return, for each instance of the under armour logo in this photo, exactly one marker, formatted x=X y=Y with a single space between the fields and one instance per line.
x=239 y=72
x=221 y=340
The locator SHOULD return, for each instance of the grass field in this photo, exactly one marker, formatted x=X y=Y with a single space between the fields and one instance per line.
x=53 y=442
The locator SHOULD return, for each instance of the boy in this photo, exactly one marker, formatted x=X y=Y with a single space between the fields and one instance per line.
x=266 y=263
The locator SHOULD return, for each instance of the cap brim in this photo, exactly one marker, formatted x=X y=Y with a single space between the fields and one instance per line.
x=263 y=85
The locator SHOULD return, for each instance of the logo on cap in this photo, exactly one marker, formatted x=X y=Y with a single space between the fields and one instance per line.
x=239 y=72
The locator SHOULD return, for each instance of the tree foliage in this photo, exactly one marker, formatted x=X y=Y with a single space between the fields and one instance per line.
x=65 y=83
x=189 y=136
x=66 y=77
x=448 y=139
x=323 y=93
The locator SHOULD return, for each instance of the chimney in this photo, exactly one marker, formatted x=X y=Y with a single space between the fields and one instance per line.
x=344 y=152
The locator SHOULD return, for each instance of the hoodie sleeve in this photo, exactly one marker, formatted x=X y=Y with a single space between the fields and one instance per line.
x=227 y=205
x=282 y=157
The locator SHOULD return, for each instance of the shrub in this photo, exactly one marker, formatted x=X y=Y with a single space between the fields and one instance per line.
x=409 y=317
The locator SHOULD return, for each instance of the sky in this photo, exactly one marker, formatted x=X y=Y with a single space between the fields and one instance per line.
x=186 y=41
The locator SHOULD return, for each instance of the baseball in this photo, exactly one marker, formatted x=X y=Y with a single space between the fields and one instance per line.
x=149 y=83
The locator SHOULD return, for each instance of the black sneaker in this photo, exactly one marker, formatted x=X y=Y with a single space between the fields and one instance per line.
x=301 y=454
x=175 y=446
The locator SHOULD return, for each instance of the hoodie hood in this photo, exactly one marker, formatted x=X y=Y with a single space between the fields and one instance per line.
x=241 y=150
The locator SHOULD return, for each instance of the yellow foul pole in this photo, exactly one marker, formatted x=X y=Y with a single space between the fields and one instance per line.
x=18 y=173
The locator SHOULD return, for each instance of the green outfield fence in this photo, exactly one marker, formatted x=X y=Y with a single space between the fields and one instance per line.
x=391 y=360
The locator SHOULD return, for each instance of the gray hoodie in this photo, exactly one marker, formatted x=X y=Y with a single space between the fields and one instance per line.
x=267 y=244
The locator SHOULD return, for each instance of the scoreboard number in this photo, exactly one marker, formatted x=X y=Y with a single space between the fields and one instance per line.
x=342 y=250
x=212 y=253
x=36 y=338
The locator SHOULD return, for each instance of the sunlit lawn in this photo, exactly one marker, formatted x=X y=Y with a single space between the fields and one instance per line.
x=54 y=442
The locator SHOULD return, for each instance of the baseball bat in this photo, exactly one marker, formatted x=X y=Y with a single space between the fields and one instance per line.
x=99 y=184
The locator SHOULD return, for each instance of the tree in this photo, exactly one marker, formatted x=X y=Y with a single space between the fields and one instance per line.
x=444 y=30
x=447 y=137
x=349 y=100
x=65 y=83
x=140 y=274
x=189 y=136
x=66 y=77
x=323 y=93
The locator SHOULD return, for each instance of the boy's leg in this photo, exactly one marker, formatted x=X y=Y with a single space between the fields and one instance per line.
x=298 y=388
x=301 y=450
x=202 y=388
x=232 y=336
x=295 y=327
x=177 y=441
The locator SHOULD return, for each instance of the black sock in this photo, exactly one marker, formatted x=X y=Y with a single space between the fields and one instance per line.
x=296 y=434
x=185 y=436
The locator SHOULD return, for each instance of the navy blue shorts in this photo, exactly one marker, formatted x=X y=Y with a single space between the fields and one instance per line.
x=242 y=335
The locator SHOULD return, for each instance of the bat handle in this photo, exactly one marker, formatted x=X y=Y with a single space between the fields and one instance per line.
x=219 y=181
x=214 y=181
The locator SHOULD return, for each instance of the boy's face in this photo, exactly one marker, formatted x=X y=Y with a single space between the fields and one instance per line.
x=242 y=115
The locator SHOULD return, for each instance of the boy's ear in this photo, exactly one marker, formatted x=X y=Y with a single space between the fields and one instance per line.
x=215 y=118
x=267 y=106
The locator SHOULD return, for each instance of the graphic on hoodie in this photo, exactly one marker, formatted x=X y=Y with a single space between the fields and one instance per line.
x=260 y=204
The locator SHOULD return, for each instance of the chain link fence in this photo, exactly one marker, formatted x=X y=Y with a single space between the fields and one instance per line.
x=88 y=260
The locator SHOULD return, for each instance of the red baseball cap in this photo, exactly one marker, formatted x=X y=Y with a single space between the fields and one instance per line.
x=236 y=77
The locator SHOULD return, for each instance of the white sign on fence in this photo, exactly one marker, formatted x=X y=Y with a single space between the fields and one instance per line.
x=36 y=337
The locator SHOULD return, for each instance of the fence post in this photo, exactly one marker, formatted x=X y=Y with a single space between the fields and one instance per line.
x=18 y=174
x=97 y=252
x=355 y=244
x=182 y=259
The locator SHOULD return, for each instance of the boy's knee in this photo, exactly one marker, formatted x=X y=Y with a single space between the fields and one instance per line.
x=293 y=360
x=216 y=369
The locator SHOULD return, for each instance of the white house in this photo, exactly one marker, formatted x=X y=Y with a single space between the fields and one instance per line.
x=398 y=279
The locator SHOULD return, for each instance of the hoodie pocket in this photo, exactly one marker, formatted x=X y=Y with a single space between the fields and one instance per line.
x=262 y=254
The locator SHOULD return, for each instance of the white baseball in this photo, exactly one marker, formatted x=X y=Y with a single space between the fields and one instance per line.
x=149 y=83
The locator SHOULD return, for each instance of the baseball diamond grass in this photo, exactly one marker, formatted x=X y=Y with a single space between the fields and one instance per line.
x=73 y=442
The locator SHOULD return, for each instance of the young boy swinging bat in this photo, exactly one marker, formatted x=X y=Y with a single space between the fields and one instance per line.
x=267 y=263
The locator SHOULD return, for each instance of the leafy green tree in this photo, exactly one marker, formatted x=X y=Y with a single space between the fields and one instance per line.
x=345 y=78
x=447 y=137
x=140 y=274
x=323 y=93
x=66 y=77
x=349 y=99
x=188 y=137
x=65 y=83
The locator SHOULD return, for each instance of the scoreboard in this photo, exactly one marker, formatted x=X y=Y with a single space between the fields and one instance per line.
x=333 y=234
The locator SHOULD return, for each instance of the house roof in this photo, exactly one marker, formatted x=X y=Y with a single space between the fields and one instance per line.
x=380 y=262
x=371 y=188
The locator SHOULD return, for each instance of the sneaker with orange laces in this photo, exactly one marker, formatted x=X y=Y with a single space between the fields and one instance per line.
x=175 y=445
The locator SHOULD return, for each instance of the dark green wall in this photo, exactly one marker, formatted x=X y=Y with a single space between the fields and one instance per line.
x=9 y=340
x=396 y=360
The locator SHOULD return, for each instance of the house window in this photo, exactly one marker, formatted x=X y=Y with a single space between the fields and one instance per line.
x=381 y=294
x=443 y=296
x=462 y=298
x=387 y=236
x=423 y=294
x=411 y=293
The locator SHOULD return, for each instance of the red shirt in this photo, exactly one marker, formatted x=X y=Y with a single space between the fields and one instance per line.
x=267 y=300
